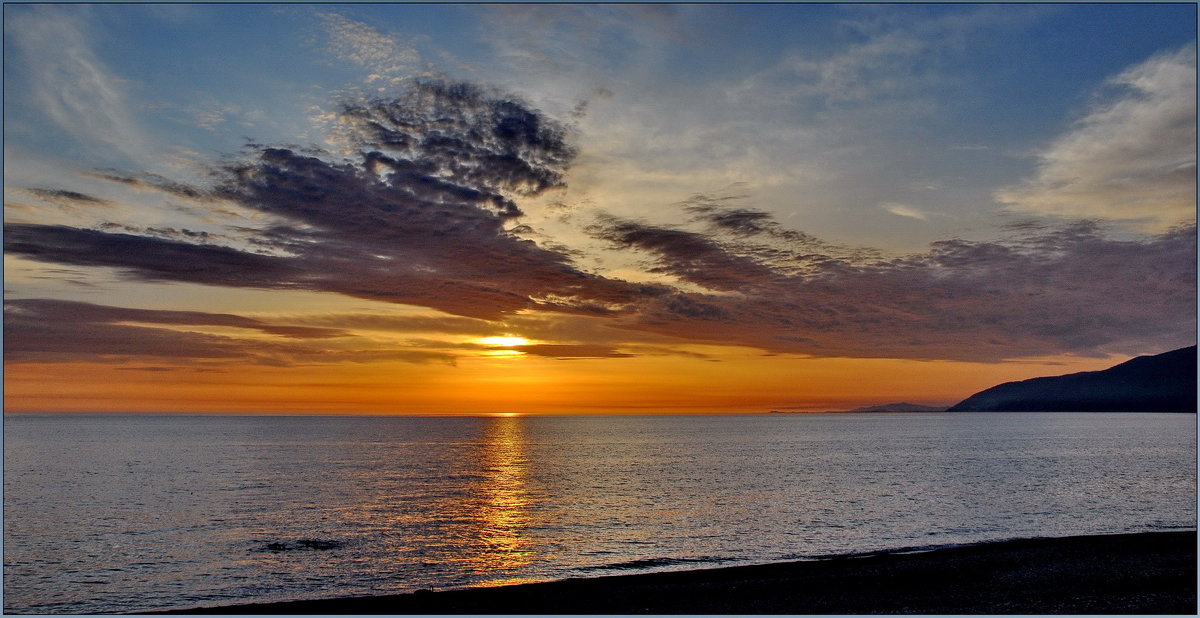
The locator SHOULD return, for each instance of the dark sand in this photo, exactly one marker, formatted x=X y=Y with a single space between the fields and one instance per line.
x=1150 y=573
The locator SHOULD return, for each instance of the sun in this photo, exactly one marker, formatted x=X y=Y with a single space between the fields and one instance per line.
x=505 y=341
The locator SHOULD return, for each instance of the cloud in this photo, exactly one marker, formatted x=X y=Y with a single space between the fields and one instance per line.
x=415 y=215
x=61 y=310
x=593 y=39
x=402 y=324
x=570 y=351
x=70 y=82
x=420 y=209
x=152 y=182
x=384 y=56
x=214 y=117
x=1041 y=292
x=147 y=258
x=689 y=256
x=465 y=136
x=893 y=63
x=904 y=210
x=47 y=330
x=63 y=196
x=1130 y=158
x=63 y=203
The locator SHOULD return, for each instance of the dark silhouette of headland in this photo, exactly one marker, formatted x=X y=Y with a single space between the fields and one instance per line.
x=1160 y=383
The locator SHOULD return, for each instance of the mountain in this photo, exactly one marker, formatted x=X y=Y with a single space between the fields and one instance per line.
x=1161 y=383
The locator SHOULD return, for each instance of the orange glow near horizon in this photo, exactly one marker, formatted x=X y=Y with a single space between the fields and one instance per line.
x=739 y=381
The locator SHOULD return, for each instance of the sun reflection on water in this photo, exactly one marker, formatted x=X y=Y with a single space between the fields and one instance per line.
x=503 y=499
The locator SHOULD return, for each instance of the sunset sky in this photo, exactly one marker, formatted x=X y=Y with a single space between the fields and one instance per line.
x=588 y=208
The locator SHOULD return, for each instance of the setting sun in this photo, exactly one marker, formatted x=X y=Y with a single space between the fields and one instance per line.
x=505 y=341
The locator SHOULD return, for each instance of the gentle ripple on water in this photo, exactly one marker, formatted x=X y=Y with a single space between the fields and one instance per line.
x=127 y=513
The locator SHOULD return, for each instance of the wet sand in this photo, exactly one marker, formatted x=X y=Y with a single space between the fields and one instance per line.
x=1148 y=573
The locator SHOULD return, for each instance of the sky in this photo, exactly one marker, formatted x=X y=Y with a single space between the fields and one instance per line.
x=586 y=208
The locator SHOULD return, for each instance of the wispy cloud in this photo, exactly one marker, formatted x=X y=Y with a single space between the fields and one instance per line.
x=65 y=196
x=904 y=210
x=61 y=310
x=73 y=86
x=894 y=63
x=688 y=256
x=569 y=351
x=1132 y=157
x=384 y=56
x=215 y=116
x=596 y=39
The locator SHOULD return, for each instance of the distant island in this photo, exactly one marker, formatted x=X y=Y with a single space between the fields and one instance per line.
x=1161 y=383
x=899 y=407
x=886 y=407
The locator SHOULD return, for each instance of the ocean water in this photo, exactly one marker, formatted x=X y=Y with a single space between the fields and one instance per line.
x=122 y=513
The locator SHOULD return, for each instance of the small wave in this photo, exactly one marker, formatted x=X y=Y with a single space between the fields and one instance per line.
x=245 y=487
x=920 y=549
x=1166 y=526
x=911 y=549
x=649 y=563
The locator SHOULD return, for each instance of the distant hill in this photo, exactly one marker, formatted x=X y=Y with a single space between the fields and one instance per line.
x=1161 y=383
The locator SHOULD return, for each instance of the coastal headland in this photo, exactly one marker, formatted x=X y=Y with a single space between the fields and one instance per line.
x=1140 y=573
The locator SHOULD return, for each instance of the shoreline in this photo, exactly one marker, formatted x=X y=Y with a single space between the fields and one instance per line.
x=1133 y=573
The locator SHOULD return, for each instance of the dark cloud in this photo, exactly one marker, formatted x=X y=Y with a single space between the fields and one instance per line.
x=467 y=134
x=151 y=259
x=687 y=255
x=417 y=216
x=741 y=220
x=421 y=212
x=49 y=331
x=569 y=351
x=756 y=234
x=168 y=232
x=154 y=182
x=77 y=312
x=46 y=330
x=31 y=340
x=1069 y=289
x=59 y=195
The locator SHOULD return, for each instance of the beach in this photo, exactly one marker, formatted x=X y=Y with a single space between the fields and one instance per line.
x=1141 y=573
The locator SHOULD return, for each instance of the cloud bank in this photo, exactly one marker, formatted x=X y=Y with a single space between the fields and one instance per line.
x=419 y=210
x=45 y=330
x=1044 y=291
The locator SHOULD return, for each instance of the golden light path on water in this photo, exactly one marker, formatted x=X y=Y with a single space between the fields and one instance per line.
x=481 y=526
x=503 y=505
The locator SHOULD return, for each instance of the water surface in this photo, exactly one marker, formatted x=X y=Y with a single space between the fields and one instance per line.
x=135 y=512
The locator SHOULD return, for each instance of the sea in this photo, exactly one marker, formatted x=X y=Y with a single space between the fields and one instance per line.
x=126 y=513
